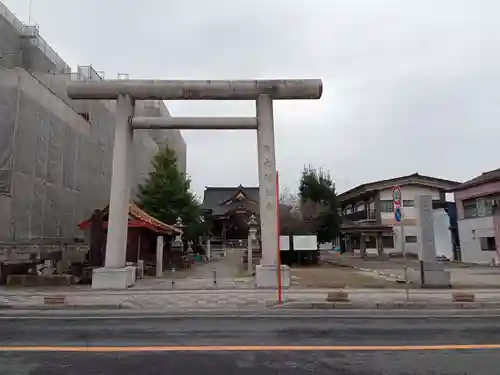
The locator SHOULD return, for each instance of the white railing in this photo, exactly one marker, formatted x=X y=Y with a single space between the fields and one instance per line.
x=90 y=73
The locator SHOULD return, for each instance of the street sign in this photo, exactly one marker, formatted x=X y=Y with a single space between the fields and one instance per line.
x=396 y=196
x=397 y=214
x=397 y=200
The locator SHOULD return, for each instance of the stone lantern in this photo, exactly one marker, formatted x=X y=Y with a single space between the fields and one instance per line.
x=252 y=238
x=177 y=243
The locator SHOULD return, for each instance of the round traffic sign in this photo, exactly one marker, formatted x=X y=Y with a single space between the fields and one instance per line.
x=396 y=195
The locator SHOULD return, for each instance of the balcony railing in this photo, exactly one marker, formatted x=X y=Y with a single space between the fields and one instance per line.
x=365 y=215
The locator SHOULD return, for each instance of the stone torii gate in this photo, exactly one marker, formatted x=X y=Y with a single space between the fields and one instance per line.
x=115 y=274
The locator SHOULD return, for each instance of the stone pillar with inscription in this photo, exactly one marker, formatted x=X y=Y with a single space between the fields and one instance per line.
x=159 y=256
x=430 y=273
x=266 y=272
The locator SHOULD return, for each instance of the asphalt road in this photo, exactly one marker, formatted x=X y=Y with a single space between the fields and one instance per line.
x=270 y=345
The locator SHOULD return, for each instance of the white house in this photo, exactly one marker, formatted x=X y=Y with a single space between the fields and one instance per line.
x=368 y=213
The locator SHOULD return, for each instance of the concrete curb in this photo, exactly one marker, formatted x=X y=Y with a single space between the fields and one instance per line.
x=250 y=314
x=319 y=305
x=63 y=307
x=389 y=305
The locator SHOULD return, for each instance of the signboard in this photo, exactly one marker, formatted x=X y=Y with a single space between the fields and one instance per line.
x=305 y=243
x=284 y=243
x=397 y=214
x=396 y=196
x=396 y=202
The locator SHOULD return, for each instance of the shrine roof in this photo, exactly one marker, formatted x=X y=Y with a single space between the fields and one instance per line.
x=219 y=200
x=138 y=218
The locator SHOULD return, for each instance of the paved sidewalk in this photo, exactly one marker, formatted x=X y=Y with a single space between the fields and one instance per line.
x=220 y=300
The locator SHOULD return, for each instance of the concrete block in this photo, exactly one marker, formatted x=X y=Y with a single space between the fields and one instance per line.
x=54 y=300
x=322 y=305
x=433 y=278
x=337 y=297
x=436 y=279
x=113 y=278
x=432 y=266
x=463 y=297
x=266 y=276
x=344 y=305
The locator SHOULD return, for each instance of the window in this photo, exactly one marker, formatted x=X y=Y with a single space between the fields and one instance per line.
x=409 y=203
x=488 y=243
x=360 y=207
x=479 y=207
x=470 y=208
x=488 y=206
x=386 y=206
x=388 y=242
x=411 y=239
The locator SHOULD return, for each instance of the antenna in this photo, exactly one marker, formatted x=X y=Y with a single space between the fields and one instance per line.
x=29 y=13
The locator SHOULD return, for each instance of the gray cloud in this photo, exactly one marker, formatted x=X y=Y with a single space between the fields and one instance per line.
x=409 y=85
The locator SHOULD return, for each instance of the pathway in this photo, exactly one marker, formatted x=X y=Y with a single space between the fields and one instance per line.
x=220 y=272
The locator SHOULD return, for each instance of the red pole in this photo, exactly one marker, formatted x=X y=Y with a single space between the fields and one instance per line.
x=278 y=255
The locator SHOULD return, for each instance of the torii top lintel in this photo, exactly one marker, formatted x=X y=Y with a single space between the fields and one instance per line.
x=196 y=90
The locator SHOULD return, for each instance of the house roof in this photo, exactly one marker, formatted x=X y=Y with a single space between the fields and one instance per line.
x=216 y=199
x=412 y=179
x=138 y=218
x=483 y=178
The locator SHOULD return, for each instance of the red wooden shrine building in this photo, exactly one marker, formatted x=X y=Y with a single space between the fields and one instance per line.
x=143 y=230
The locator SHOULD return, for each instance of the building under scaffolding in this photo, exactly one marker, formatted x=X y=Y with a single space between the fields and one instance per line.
x=56 y=153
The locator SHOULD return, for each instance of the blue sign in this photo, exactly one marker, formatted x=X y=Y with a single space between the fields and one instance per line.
x=397 y=214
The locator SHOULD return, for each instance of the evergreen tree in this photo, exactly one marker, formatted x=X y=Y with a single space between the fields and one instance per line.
x=319 y=204
x=166 y=195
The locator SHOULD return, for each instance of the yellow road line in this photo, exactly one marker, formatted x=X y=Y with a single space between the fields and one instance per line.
x=229 y=348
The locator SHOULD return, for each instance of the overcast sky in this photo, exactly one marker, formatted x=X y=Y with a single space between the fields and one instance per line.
x=409 y=85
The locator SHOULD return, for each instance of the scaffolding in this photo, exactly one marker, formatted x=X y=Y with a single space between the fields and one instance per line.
x=10 y=17
x=9 y=60
x=89 y=73
x=123 y=76
x=32 y=34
